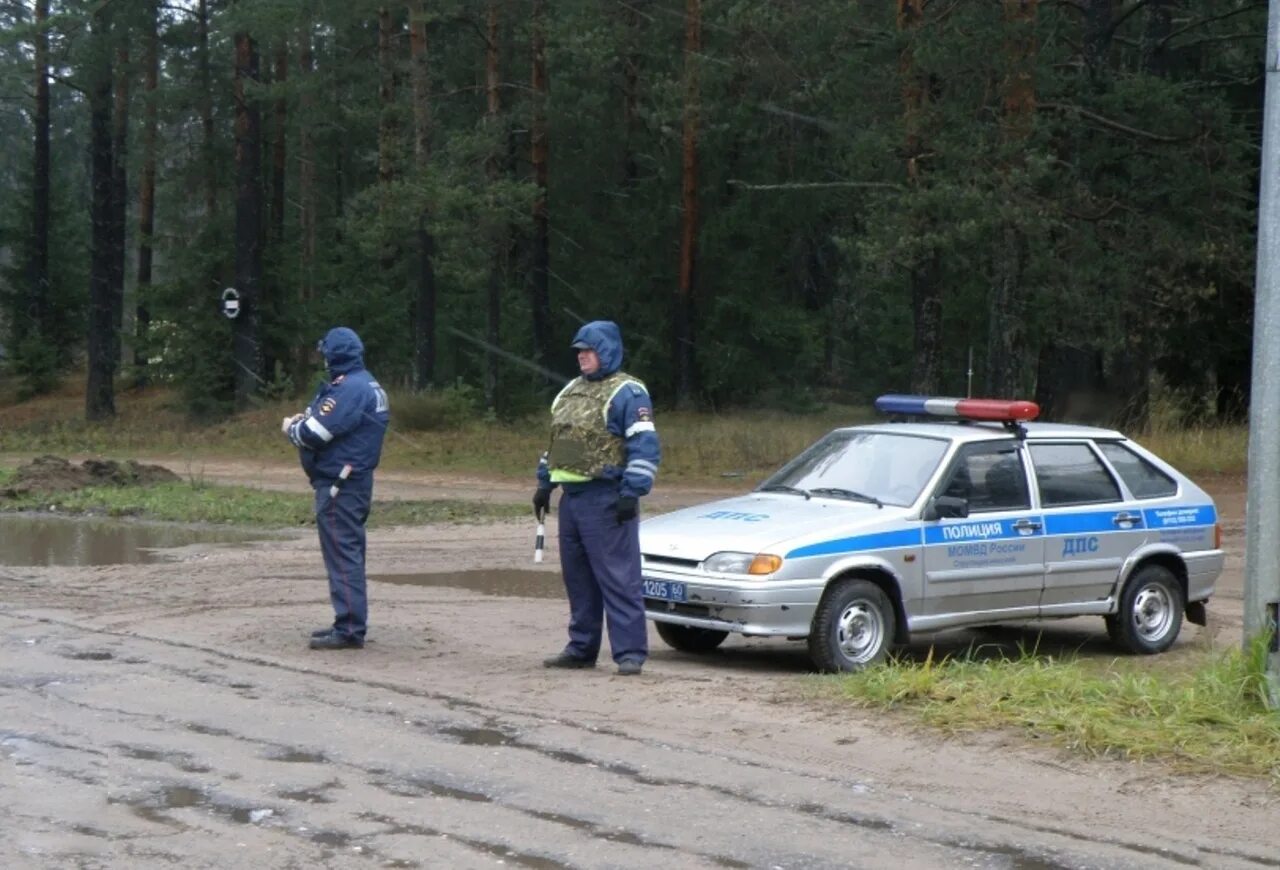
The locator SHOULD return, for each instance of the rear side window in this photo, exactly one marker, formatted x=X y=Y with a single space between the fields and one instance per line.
x=1071 y=474
x=1143 y=479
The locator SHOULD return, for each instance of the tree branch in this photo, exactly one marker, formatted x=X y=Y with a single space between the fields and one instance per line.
x=814 y=185
x=1107 y=122
x=1203 y=21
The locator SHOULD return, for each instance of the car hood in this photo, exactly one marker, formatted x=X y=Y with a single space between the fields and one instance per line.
x=754 y=523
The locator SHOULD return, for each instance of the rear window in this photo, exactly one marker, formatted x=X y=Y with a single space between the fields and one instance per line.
x=1071 y=474
x=1143 y=479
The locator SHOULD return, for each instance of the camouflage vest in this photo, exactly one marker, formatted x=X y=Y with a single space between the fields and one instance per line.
x=581 y=443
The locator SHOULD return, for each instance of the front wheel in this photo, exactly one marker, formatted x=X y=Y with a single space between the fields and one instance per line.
x=1150 y=614
x=690 y=638
x=853 y=627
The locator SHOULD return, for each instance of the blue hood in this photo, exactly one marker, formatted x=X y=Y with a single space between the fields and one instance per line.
x=604 y=337
x=343 y=351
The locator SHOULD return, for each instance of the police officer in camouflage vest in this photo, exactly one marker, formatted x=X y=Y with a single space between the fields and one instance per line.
x=604 y=455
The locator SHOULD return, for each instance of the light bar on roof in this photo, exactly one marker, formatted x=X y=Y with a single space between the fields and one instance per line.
x=999 y=410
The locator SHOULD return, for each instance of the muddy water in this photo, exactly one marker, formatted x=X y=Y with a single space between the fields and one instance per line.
x=508 y=583
x=43 y=540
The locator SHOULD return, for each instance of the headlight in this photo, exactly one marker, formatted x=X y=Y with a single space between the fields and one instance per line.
x=743 y=563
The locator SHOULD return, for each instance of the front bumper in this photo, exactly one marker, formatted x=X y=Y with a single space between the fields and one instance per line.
x=765 y=608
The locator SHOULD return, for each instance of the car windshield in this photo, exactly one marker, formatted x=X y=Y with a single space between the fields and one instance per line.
x=885 y=467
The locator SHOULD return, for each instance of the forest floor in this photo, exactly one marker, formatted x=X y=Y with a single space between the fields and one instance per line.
x=170 y=713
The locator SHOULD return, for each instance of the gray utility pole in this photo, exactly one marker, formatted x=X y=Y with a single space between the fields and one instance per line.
x=1262 y=528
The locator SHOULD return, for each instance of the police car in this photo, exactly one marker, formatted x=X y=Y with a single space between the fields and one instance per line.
x=923 y=523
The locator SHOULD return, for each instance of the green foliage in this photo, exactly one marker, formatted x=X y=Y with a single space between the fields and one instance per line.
x=1123 y=203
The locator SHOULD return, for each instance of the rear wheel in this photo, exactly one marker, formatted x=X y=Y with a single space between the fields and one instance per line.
x=853 y=627
x=689 y=638
x=1150 y=614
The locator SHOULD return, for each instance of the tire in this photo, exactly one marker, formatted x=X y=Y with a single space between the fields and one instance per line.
x=1150 y=614
x=853 y=627
x=689 y=638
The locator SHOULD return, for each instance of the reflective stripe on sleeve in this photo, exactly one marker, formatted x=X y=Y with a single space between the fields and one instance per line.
x=318 y=429
x=642 y=468
x=644 y=426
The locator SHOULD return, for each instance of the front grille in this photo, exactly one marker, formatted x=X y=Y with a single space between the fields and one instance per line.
x=668 y=560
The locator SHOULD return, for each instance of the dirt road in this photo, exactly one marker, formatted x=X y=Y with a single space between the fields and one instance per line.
x=170 y=714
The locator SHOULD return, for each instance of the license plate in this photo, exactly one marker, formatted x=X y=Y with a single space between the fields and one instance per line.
x=664 y=589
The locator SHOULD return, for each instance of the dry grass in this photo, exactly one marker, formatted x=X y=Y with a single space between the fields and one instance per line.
x=697 y=447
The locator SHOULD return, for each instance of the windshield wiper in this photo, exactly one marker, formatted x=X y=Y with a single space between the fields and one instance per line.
x=837 y=492
x=782 y=487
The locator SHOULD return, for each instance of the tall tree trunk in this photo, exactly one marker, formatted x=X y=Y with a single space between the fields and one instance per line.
x=306 y=193
x=386 y=101
x=631 y=91
x=1096 y=44
x=279 y=142
x=1155 y=35
x=686 y=287
x=926 y=289
x=424 y=304
x=40 y=306
x=498 y=237
x=147 y=190
x=271 y=302
x=541 y=266
x=1006 y=338
x=100 y=383
x=246 y=346
x=206 y=111
x=119 y=191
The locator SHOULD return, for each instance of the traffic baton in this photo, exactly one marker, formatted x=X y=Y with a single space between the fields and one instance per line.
x=537 y=542
x=337 y=484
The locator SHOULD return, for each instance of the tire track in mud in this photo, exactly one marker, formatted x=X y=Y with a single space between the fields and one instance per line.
x=788 y=797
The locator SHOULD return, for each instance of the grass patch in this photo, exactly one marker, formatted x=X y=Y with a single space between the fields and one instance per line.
x=1201 y=449
x=1206 y=717
x=242 y=506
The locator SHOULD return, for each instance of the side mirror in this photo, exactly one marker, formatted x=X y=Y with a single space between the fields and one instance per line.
x=946 y=507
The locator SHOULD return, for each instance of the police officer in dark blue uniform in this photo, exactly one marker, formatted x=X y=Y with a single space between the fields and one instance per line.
x=604 y=455
x=339 y=440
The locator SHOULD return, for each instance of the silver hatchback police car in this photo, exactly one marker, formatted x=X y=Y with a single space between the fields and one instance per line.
x=880 y=531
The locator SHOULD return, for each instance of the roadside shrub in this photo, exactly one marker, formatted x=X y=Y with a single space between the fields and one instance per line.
x=434 y=410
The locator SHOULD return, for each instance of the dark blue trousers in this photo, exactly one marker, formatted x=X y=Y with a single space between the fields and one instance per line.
x=340 y=520
x=600 y=561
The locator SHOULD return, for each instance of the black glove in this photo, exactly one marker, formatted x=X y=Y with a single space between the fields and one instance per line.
x=541 y=501
x=626 y=507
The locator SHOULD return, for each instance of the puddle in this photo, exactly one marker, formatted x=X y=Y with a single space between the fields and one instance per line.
x=27 y=539
x=296 y=756
x=155 y=806
x=511 y=583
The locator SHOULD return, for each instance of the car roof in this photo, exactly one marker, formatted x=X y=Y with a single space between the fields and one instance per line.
x=971 y=430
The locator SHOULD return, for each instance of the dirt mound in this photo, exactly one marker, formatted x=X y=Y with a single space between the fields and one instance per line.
x=55 y=474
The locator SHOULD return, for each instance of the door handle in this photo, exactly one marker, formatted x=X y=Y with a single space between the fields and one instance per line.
x=1126 y=517
x=1027 y=524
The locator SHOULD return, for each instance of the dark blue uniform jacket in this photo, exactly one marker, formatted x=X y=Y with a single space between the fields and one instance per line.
x=347 y=420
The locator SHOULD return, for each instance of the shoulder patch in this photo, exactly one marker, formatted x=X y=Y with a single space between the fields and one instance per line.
x=327 y=406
